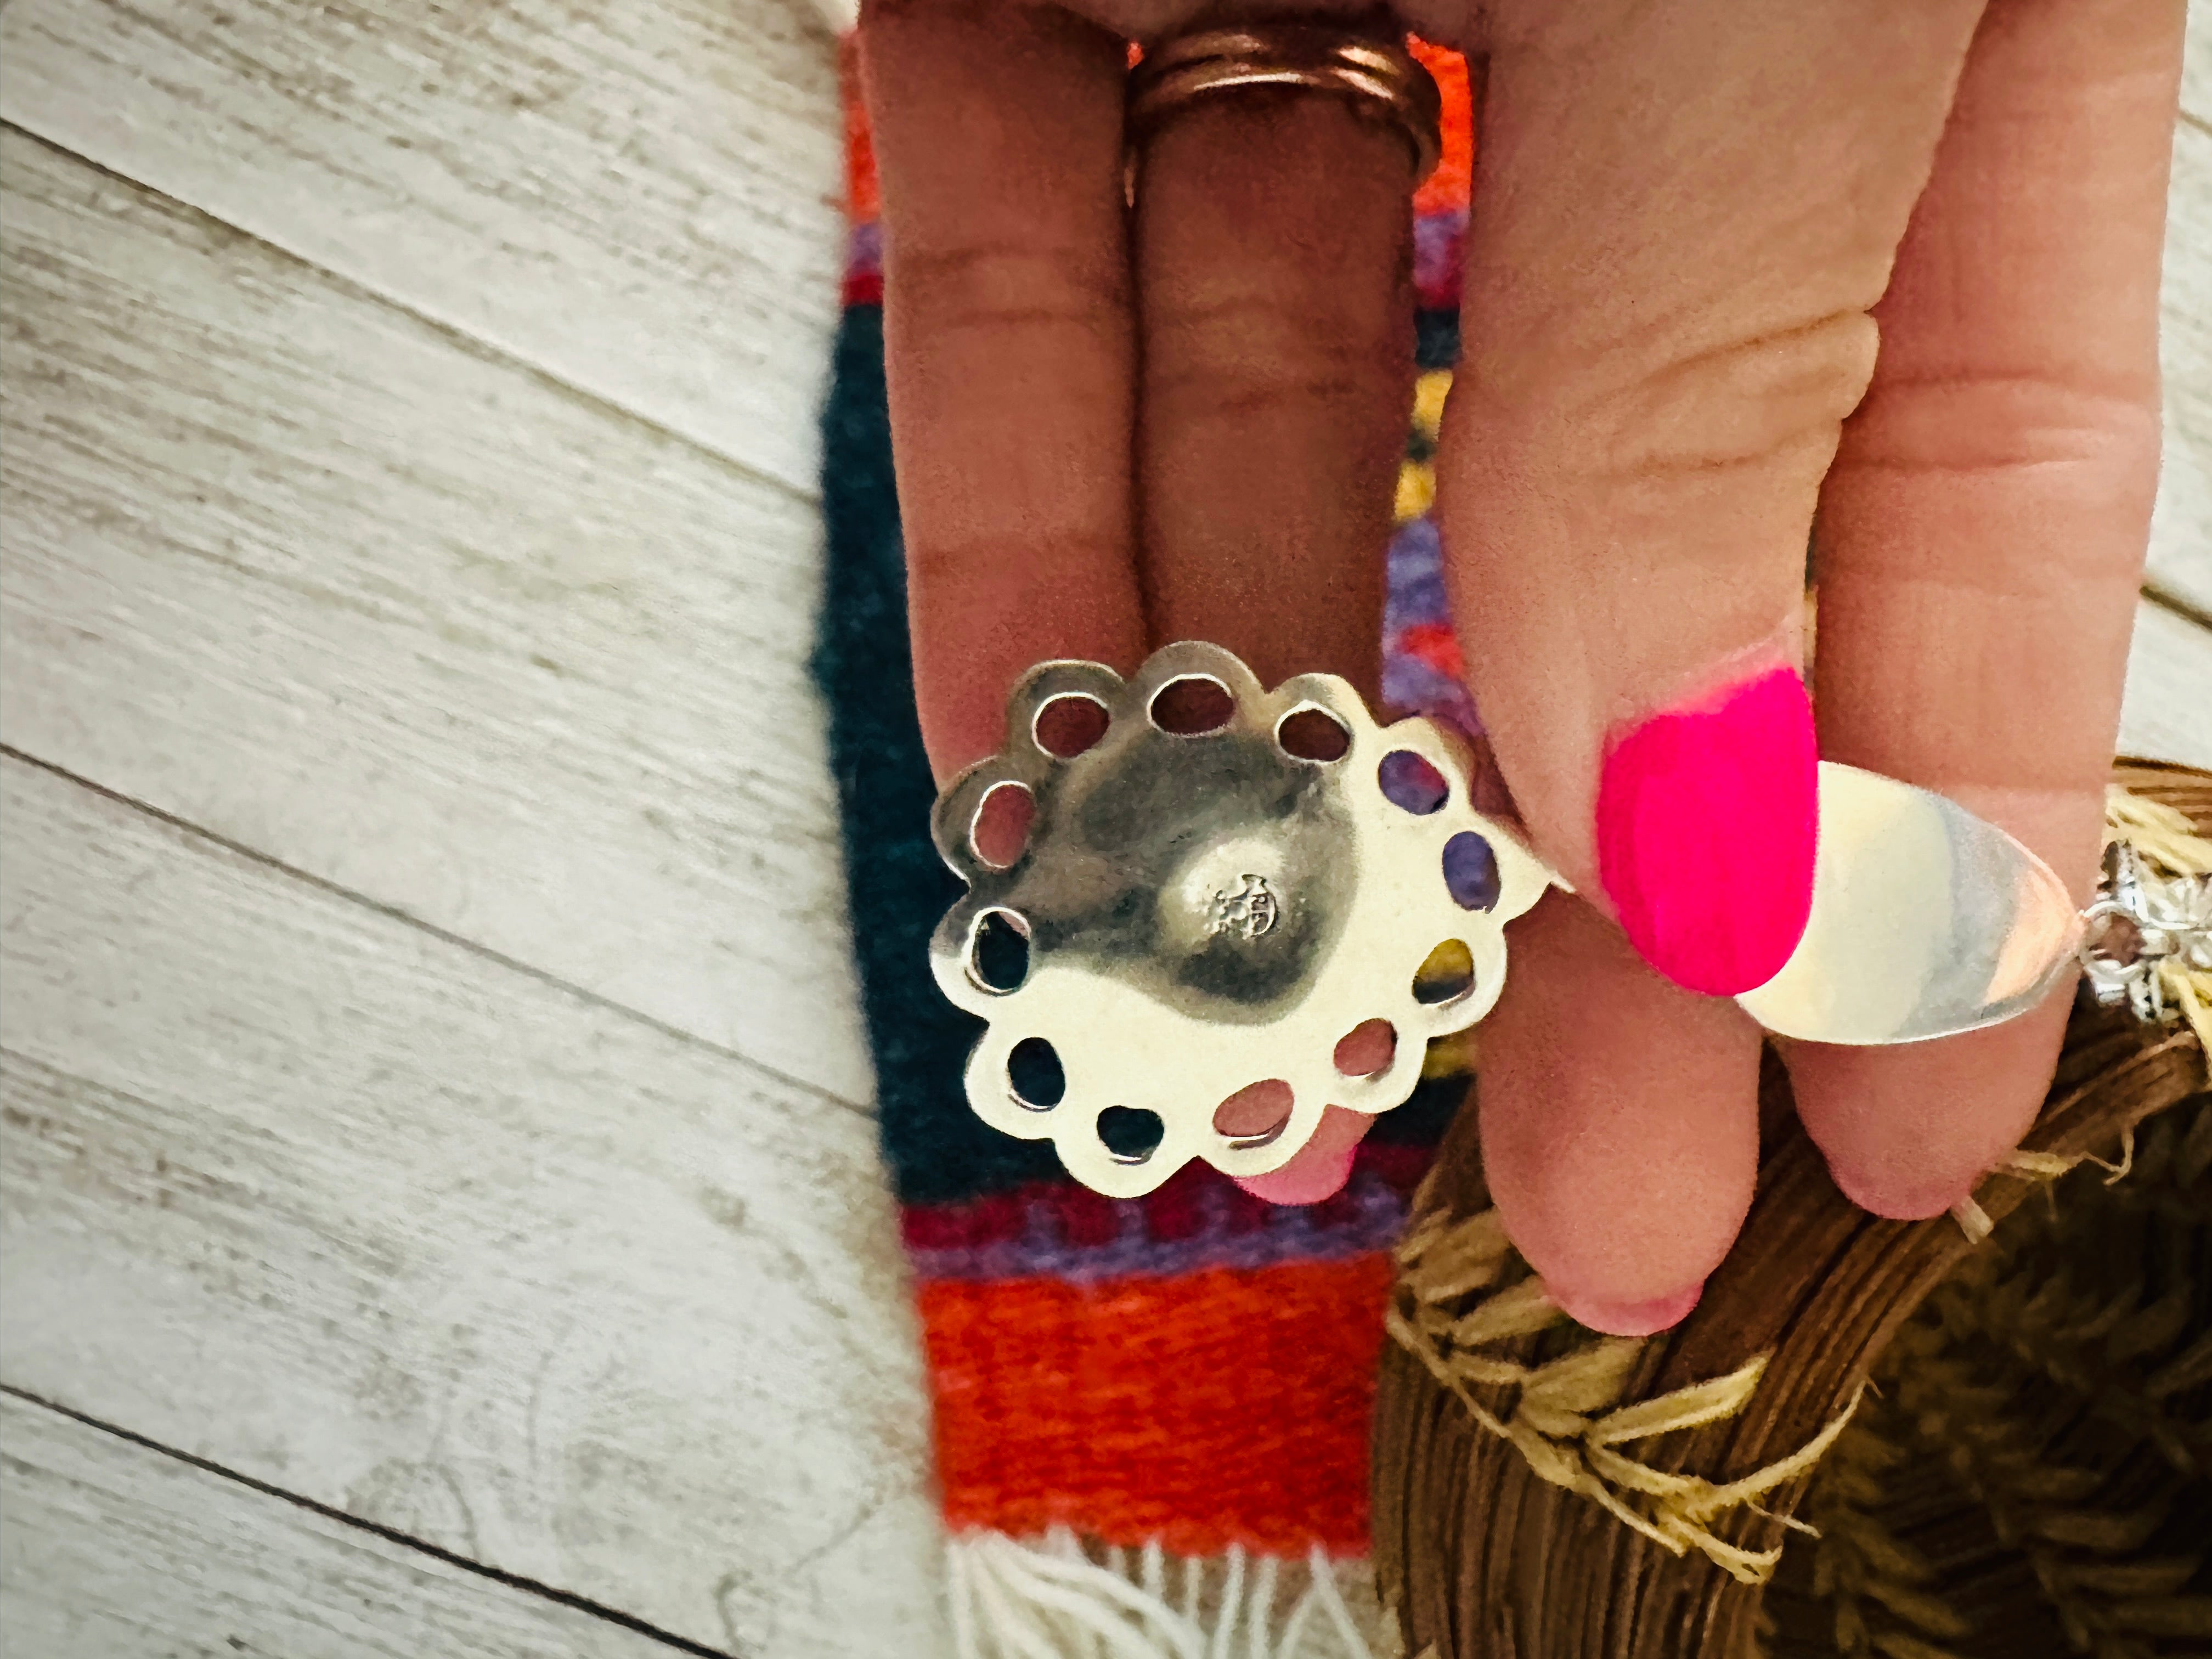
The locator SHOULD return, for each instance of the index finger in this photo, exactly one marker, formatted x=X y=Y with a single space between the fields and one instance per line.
x=1008 y=348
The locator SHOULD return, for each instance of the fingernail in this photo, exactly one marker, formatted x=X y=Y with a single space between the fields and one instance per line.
x=1628 y=1318
x=1707 y=817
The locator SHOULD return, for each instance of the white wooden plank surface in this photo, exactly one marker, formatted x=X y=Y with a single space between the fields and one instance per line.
x=296 y=1187
x=2168 y=710
x=305 y=571
x=642 y=198
x=111 y=1551
x=2181 y=529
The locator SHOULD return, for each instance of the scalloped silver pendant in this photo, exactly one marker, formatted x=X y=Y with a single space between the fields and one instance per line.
x=1203 y=911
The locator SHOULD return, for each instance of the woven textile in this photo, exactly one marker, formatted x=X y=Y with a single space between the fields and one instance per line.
x=1191 y=1372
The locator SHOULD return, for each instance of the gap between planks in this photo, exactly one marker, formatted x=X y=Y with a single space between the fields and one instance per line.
x=645 y=200
x=443 y=935
x=614 y=1617
x=337 y=1206
x=477 y=346
x=294 y=567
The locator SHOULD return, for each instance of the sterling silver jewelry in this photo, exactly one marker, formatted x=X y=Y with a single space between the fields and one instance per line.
x=2142 y=921
x=1206 y=902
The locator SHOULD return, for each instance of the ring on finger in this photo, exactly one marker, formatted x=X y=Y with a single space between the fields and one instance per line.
x=1374 y=74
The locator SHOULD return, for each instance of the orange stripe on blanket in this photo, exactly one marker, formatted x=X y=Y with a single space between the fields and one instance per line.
x=863 y=197
x=1227 y=1407
x=1448 y=187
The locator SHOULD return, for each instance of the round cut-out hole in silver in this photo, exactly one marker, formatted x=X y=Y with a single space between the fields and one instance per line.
x=1071 y=724
x=1034 y=1075
x=999 y=950
x=1447 y=976
x=1471 y=872
x=1256 y=1115
x=1313 y=734
x=1001 y=833
x=1410 y=782
x=1192 y=706
x=1367 y=1050
x=1130 y=1133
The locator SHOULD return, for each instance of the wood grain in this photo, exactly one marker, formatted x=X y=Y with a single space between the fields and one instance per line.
x=641 y=199
x=111 y=1549
x=2180 y=563
x=2167 y=713
x=296 y=1187
x=307 y=572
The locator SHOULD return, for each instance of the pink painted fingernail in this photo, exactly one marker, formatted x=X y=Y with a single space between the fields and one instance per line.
x=1628 y=1318
x=1707 y=817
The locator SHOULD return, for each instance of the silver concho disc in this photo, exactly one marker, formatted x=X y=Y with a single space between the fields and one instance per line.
x=1199 y=907
x=1193 y=912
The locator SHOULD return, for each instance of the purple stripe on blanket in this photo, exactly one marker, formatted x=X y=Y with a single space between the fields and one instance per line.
x=1375 y=1219
x=1410 y=686
x=1440 y=241
x=1417 y=578
x=863 y=250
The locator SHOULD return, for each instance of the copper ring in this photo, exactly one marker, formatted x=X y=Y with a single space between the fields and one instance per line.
x=1378 y=76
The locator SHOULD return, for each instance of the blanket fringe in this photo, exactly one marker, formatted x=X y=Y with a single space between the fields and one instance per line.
x=1052 y=1598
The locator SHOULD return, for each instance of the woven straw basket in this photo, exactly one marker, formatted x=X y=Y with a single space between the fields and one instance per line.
x=1986 y=1434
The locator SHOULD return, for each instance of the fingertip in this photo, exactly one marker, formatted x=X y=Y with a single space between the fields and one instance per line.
x=1619 y=1121
x=1645 y=1318
x=1900 y=1195
x=1320 y=1167
x=1908 y=1132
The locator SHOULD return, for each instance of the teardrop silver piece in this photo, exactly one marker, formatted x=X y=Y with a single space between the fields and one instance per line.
x=1926 y=922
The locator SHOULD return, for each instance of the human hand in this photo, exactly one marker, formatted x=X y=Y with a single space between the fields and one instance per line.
x=1117 y=428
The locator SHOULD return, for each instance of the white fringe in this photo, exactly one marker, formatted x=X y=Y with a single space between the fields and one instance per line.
x=1050 y=1599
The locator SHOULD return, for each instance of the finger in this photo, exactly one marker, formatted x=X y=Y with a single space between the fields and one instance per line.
x=1982 y=534
x=1684 y=213
x=1617 y=1133
x=1273 y=248
x=1273 y=245
x=1008 y=347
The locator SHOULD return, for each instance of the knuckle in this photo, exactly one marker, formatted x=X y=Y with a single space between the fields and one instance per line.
x=1672 y=402
x=2003 y=420
x=1234 y=351
x=993 y=286
x=2068 y=458
x=965 y=560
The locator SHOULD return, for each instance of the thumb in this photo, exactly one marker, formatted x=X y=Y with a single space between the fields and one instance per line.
x=1684 y=215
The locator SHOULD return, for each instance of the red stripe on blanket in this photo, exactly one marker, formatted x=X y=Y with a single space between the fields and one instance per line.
x=1201 y=1410
x=1173 y=1210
